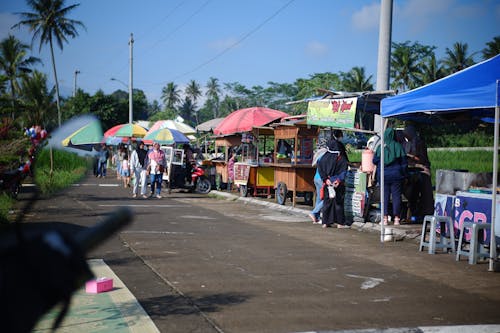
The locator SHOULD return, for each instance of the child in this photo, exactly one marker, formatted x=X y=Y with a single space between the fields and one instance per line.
x=125 y=171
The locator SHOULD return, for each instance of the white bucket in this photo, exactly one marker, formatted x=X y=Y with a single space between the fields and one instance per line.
x=367 y=161
x=388 y=235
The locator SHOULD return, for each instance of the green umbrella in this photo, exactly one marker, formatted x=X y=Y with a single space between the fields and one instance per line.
x=85 y=137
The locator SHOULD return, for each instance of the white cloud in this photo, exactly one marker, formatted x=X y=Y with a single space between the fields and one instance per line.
x=367 y=18
x=316 y=49
x=222 y=44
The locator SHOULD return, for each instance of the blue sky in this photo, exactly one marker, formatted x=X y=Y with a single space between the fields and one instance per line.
x=250 y=42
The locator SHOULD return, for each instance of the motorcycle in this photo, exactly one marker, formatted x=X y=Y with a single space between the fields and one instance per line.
x=11 y=180
x=176 y=178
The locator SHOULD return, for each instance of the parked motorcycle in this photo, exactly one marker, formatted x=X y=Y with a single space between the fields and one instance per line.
x=177 y=179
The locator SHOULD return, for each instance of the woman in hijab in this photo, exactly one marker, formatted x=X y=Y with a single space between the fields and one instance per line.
x=332 y=168
x=395 y=171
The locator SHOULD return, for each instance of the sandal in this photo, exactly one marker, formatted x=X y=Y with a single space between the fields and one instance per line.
x=397 y=221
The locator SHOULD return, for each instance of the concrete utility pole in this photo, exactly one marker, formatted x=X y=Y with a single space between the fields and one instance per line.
x=384 y=45
x=74 y=83
x=130 y=85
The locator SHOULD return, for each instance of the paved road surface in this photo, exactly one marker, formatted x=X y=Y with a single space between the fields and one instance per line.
x=200 y=264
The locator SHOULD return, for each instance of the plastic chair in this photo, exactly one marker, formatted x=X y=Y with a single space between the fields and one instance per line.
x=476 y=248
x=444 y=242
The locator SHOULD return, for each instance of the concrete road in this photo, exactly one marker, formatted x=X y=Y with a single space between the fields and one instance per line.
x=201 y=264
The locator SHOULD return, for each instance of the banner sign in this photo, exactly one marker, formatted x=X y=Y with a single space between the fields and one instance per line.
x=332 y=112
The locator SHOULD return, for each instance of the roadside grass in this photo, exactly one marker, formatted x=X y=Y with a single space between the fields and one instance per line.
x=68 y=168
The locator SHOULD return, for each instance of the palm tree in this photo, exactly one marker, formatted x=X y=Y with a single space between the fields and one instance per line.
x=404 y=67
x=36 y=99
x=431 y=71
x=356 y=80
x=213 y=93
x=187 y=109
x=170 y=95
x=492 y=48
x=15 y=65
x=457 y=58
x=193 y=91
x=49 y=22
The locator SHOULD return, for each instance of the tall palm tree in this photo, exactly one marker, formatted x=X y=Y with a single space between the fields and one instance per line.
x=492 y=48
x=457 y=58
x=187 y=109
x=193 y=91
x=14 y=64
x=404 y=67
x=356 y=80
x=213 y=94
x=37 y=100
x=431 y=71
x=170 y=95
x=49 y=22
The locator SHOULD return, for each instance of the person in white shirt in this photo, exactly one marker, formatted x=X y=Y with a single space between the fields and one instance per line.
x=138 y=162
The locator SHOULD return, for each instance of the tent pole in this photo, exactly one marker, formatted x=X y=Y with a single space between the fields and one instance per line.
x=493 y=246
x=382 y=168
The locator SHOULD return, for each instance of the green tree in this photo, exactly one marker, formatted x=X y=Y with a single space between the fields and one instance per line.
x=49 y=22
x=187 y=110
x=37 y=101
x=15 y=64
x=193 y=92
x=213 y=96
x=492 y=48
x=170 y=95
x=457 y=58
x=309 y=87
x=356 y=81
x=431 y=70
x=406 y=60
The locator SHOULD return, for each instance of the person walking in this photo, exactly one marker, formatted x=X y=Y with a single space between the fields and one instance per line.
x=156 y=167
x=395 y=171
x=126 y=171
x=102 y=160
x=138 y=168
x=315 y=214
x=332 y=169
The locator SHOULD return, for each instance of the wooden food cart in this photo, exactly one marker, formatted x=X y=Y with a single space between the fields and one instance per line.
x=293 y=170
x=222 y=146
x=254 y=174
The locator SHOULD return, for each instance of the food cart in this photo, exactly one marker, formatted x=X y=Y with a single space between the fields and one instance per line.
x=254 y=174
x=294 y=142
x=223 y=144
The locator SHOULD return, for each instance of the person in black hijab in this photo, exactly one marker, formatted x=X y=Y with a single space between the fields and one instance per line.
x=332 y=169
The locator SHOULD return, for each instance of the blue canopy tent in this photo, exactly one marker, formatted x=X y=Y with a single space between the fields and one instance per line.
x=466 y=95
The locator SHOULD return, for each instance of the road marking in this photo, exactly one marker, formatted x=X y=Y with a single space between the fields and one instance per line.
x=370 y=282
x=137 y=205
x=101 y=185
x=422 y=329
x=197 y=217
x=156 y=232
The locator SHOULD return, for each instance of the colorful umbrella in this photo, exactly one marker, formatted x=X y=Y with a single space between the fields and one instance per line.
x=244 y=119
x=165 y=136
x=86 y=137
x=176 y=125
x=126 y=130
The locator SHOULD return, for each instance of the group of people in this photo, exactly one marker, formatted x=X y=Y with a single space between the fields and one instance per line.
x=139 y=163
x=410 y=152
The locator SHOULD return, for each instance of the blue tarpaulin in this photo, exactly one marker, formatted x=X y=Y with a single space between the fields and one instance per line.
x=472 y=89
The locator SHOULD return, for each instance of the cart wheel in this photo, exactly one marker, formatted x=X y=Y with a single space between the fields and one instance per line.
x=308 y=198
x=281 y=192
x=243 y=190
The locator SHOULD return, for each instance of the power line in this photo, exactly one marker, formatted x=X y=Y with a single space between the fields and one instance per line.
x=245 y=36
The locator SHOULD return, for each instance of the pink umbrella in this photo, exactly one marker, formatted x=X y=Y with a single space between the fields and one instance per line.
x=244 y=119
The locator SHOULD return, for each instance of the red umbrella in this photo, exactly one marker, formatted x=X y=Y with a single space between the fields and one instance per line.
x=243 y=120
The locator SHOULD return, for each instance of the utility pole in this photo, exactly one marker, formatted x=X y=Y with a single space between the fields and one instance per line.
x=74 y=84
x=130 y=84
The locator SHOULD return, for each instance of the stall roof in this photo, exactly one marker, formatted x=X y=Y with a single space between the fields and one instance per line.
x=468 y=94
